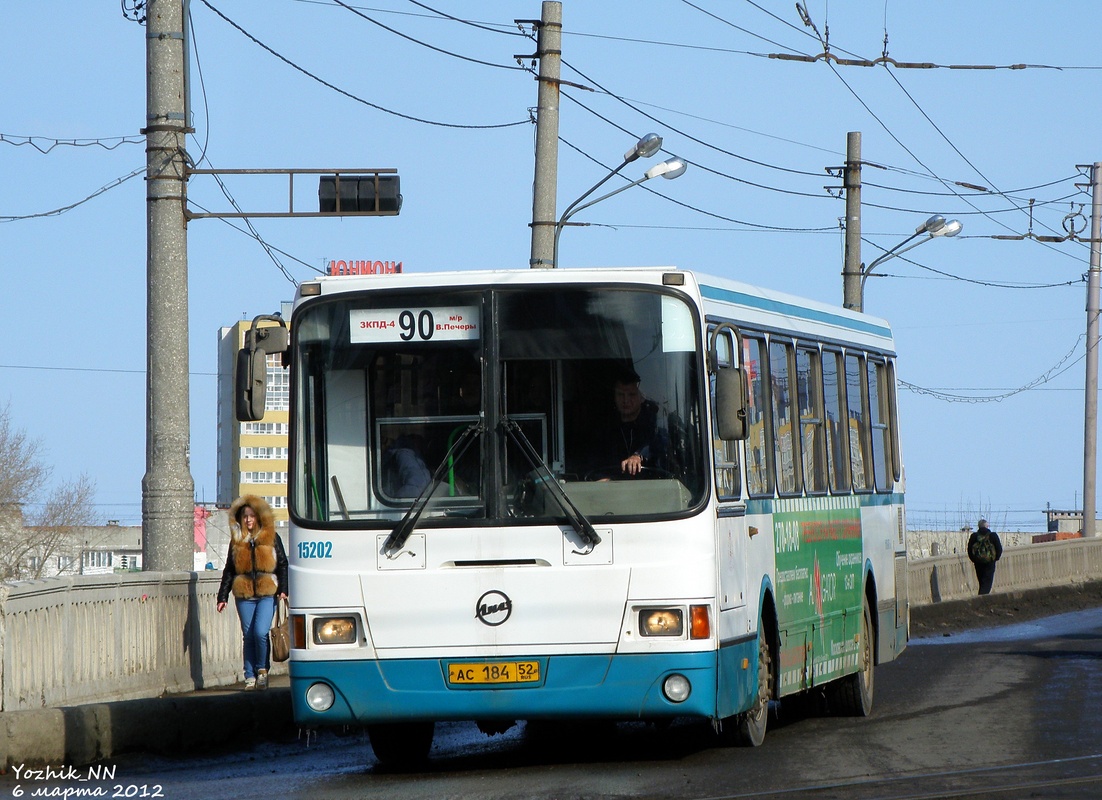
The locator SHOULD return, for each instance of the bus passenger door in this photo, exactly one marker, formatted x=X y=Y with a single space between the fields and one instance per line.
x=731 y=543
x=730 y=507
x=731 y=535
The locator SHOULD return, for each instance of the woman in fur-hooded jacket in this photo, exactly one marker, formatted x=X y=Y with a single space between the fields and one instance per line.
x=256 y=573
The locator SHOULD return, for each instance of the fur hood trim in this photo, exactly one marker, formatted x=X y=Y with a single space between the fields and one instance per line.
x=263 y=512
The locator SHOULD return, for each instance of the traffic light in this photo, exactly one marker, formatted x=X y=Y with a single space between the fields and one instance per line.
x=364 y=195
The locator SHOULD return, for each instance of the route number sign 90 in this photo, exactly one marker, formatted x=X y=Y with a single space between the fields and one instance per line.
x=397 y=325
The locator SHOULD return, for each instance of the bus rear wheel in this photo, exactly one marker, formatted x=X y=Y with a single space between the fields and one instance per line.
x=401 y=745
x=751 y=724
x=852 y=695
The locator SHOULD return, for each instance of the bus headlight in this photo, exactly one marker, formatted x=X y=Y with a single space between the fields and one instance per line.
x=661 y=622
x=320 y=697
x=677 y=688
x=335 y=630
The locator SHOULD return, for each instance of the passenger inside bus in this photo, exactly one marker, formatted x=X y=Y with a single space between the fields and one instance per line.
x=404 y=470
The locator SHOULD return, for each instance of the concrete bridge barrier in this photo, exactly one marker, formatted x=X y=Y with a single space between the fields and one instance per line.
x=102 y=638
x=1034 y=566
x=97 y=638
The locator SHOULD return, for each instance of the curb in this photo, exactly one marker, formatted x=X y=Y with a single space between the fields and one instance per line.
x=173 y=724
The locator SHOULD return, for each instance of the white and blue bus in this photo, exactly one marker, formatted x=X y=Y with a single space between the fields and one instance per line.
x=468 y=540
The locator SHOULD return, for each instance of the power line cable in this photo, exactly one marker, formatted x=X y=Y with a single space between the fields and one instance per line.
x=268 y=249
x=436 y=15
x=50 y=144
x=94 y=369
x=61 y=210
x=686 y=205
x=1053 y=372
x=733 y=25
x=351 y=96
x=434 y=48
x=680 y=132
x=252 y=234
x=991 y=284
x=824 y=40
x=202 y=89
x=477 y=25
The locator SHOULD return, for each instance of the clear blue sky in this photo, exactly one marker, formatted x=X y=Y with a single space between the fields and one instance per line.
x=975 y=317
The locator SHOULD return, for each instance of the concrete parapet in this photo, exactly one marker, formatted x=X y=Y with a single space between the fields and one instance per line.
x=94 y=638
x=934 y=580
x=90 y=665
x=169 y=725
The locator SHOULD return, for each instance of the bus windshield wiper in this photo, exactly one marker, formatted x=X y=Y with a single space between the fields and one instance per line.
x=408 y=522
x=581 y=525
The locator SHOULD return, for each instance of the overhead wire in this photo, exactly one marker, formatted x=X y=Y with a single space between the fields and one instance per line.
x=691 y=207
x=824 y=41
x=992 y=284
x=63 y=209
x=269 y=250
x=32 y=141
x=1052 y=372
x=680 y=132
x=718 y=18
x=477 y=25
x=434 y=48
x=350 y=95
x=698 y=165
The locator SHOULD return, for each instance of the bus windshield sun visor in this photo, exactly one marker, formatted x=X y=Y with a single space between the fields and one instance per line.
x=581 y=525
x=393 y=544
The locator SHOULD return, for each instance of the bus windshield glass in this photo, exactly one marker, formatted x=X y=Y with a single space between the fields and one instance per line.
x=470 y=403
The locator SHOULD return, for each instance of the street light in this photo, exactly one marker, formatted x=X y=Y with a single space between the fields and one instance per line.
x=935 y=226
x=644 y=148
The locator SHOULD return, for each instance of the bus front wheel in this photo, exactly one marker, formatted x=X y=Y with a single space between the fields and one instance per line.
x=751 y=724
x=401 y=745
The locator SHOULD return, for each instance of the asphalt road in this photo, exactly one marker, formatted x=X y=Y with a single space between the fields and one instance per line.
x=1001 y=711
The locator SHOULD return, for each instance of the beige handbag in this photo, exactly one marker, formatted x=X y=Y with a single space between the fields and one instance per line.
x=281 y=631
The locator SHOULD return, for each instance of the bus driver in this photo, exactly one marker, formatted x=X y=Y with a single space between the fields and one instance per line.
x=635 y=441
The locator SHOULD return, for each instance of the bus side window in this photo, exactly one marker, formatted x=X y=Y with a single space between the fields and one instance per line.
x=880 y=424
x=784 y=430
x=837 y=440
x=856 y=397
x=812 y=436
x=759 y=455
x=725 y=453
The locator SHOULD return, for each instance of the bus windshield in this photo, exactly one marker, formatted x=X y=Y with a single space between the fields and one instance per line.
x=469 y=403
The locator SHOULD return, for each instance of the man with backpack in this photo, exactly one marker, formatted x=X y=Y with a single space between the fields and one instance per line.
x=984 y=549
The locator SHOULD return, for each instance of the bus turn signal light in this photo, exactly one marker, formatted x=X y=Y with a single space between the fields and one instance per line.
x=700 y=624
x=298 y=631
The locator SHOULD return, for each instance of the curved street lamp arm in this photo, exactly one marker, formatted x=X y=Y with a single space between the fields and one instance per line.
x=570 y=209
x=575 y=208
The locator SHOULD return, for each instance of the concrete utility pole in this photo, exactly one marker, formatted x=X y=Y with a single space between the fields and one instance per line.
x=1090 y=426
x=544 y=188
x=851 y=183
x=168 y=490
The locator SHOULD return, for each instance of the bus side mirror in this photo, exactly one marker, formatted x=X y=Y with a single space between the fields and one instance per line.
x=250 y=382
x=731 y=403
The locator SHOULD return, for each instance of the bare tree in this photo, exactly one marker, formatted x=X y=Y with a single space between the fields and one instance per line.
x=29 y=544
x=22 y=472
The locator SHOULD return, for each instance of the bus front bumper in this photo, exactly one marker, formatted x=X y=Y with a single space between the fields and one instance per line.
x=569 y=686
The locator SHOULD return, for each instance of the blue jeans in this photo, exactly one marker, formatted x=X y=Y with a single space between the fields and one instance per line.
x=256 y=620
